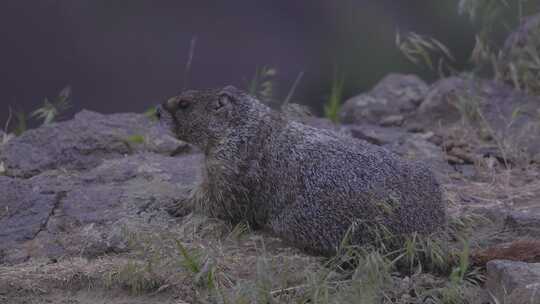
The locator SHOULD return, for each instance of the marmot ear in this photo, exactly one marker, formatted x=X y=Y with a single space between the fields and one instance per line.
x=225 y=98
x=232 y=90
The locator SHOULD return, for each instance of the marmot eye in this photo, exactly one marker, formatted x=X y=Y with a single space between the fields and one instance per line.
x=183 y=104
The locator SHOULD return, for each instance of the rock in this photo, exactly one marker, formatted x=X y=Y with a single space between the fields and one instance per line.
x=374 y=134
x=417 y=147
x=84 y=142
x=84 y=213
x=24 y=212
x=467 y=171
x=389 y=102
x=441 y=103
x=392 y=120
x=526 y=220
x=414 y=146
x=303 y=114
x=496 y=111
x=514 y=282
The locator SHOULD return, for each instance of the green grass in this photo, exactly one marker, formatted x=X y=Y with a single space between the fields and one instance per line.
x=226 y=264
x=135 y=139
x=151 y=113
x=333 y=104
x=138 y=278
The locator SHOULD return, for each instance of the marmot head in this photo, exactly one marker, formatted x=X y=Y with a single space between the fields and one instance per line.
x=203 y=118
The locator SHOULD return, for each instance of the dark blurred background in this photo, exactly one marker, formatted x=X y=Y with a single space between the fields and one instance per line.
x=124 y=56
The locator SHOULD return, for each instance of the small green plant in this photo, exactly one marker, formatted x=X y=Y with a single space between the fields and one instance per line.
x=52 y=109
x=200 y=266
x=262 y=84
x=20 y=117
x=370 y=280
x=468 y=104
x=333 y=104
x=151 y=113
x=136 y=139
x=239 y=231
x=136 y=277
x=462 y=282
x=21 y=126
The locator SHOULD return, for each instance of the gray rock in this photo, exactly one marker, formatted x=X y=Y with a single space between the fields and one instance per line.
x=395 y=96
x=441 y=103
x=526 y=220
x=303 y=114
x=496 y=111
x=415 y=146
x=61 y=213
x=374 y=134
x=514 y=282
x=392 y=120
x=24 y=212
x=84 y=142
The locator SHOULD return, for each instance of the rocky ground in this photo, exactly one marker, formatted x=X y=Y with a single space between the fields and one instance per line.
x=83 y=205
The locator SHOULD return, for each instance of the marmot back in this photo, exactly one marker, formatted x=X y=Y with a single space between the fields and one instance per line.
x=309 y=186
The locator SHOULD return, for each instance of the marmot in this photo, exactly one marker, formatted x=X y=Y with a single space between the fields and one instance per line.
x=308 y=186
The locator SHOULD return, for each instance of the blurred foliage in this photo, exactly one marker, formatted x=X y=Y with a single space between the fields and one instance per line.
x=21 y=125
x=50 y=110
x=151 y=113
x=516 y=61
x=263 y=84
x=426 y=50
x=520 y=64
x=135 y=139
x=333 y=105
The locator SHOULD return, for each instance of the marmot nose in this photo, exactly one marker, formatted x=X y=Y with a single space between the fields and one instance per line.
x=158 y=112
x=171 y=103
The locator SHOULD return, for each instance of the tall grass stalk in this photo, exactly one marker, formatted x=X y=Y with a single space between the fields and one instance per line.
x=333 y=104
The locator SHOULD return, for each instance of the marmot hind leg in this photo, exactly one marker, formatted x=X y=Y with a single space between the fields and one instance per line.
x=313 y=229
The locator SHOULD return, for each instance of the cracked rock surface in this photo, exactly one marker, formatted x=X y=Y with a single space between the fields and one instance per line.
x=71 y=188
x=514 y=282
x=63 y=212
x=84 y=142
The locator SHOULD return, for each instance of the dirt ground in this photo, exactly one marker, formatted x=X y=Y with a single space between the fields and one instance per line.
x=492 y=193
